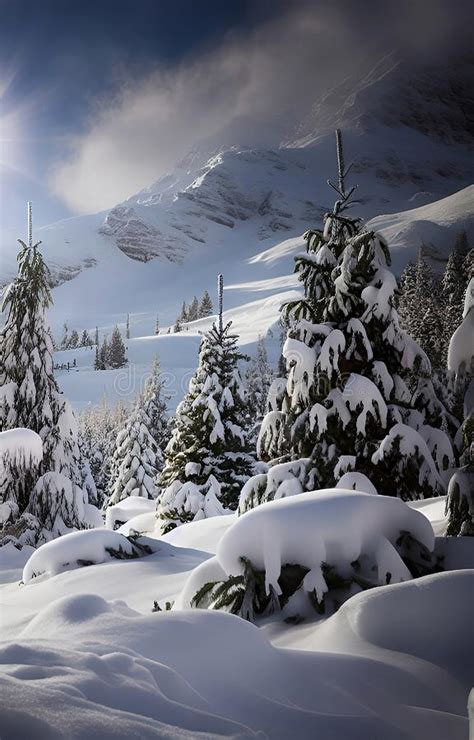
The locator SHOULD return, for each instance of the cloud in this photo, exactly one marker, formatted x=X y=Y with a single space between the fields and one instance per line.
x=252 y=88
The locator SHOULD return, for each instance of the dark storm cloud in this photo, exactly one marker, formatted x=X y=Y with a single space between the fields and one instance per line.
x=142 y=98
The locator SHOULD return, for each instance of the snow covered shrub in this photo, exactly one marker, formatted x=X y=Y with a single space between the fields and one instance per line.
x=21 y=452
x=80 y=549
x=208 y=458
x=347 y=405
x=311 y=552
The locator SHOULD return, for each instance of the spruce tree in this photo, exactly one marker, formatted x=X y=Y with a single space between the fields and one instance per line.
x=422 y=310
x=85 y=340
x=154 y=404
x=73 y=339
x=460 y=500
x=157 y=325
x=127 y=327
x=136 y=460
x=209 y=456
x=104 y=354
x=183 y=316
x=259 y=377
x=116 y=357
x=96 y=338
x=193 y=311
x=65 y=337
x=205 y=307
x=346 y=407
x=33 y=400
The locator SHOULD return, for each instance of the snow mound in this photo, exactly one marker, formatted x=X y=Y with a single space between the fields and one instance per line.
x=21 y=444
x=335 y=527
x=77 y=549
x=396 y=619
x=94 y=668
x=127 y=509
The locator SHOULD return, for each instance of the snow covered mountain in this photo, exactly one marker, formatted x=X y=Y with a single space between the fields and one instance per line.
x=241 y=211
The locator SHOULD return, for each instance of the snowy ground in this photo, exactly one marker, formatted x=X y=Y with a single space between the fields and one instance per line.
x=82 y=650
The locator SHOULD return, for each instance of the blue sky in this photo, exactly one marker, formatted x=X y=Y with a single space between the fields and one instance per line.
x=98 y=99
x=59 y=59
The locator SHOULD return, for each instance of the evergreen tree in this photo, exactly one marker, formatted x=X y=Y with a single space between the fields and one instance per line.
x=73 y=339
x=177 y=326
x=154 y=404
x=193 y=311
x=183 y=316
x=205 y=307
x=96 y=339
x=157 y=325
x=64 y=344
x=208 y=457
x=127 y=327
x=422 y=310
x=136 y=461
x=104 y=354
x=31 y=398
x=97 y=361
x=346 y=407
x=259 y=378
x=116 y=350
x=468 y=267
x=99 y=426
x=85 y=340
x=455 y=283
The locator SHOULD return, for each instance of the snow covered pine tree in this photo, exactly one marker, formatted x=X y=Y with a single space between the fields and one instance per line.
x=346 y=415
x=460 y=501
x=137 y=459
x=208 y=457
x=258 y=378
x=31 y=399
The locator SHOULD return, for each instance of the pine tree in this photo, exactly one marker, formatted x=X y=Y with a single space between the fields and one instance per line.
x=33 y=400
x=73 y=339
x=208 y=458
x=460 y=499
x=96 y=339
x=116 y=350
x=136 y=461
x=157 y=325
x=154 y=404
x=422 y=310
x=64 y=344
x=346 y=407
x=97 y=361
x=104 y=354
x=259 y=377
x=85 y=340
x=127 y=327
x=205 y=308
x=193 y=311
x=183 y=316
x=177 y=326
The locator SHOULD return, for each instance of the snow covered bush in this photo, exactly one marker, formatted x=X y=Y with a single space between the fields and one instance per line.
x=208 y=458
x=21 y=452
x=358 y=396
x=80 y=549
x=460 y=500
x=311 y=551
